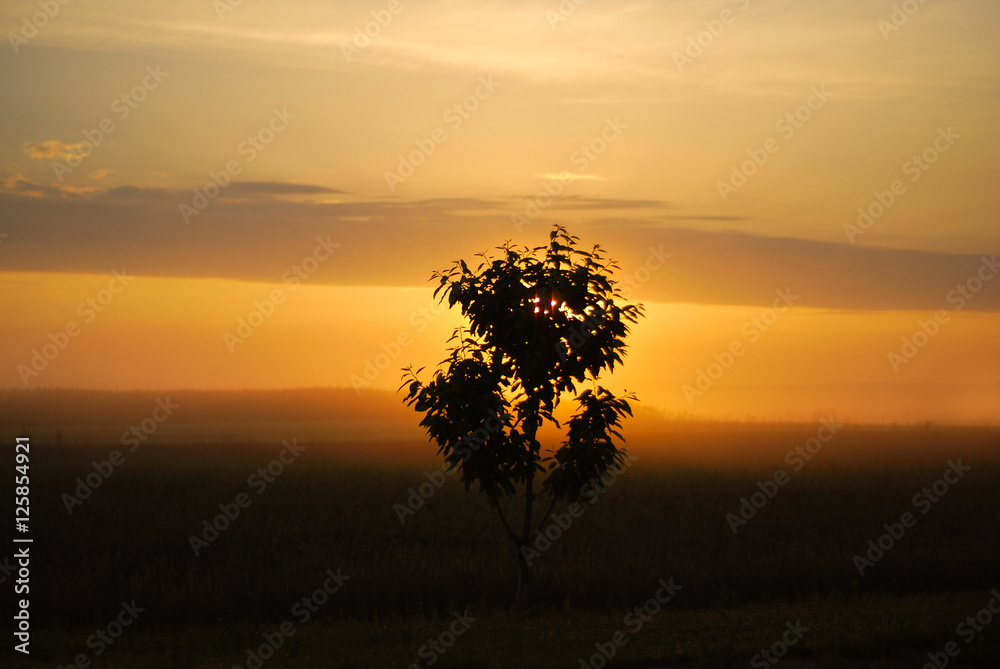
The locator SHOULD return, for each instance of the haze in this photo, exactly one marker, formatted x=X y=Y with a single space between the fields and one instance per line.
x=734 y=157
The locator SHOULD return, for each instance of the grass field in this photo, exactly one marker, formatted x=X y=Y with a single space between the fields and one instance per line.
x=130 y=539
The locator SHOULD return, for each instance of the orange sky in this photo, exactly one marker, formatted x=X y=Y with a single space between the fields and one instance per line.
x=276 y=152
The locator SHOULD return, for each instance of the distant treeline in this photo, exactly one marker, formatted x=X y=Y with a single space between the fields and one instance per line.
x=58 y=407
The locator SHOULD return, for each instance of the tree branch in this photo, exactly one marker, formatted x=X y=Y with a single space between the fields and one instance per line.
x=510 y=533
x=529 y=488
x=529 y=498
x=546 y=516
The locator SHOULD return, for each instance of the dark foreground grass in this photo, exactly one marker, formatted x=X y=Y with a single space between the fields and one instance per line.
x=793 y=561
x=863 y=632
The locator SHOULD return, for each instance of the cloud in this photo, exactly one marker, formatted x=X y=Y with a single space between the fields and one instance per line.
x=98 y=175
x=25 y=187
x=399 y=243
x=705 y=218
x=591 y=203
x=569 y=176
x=136 y=193
x=730 y=267
x=242 y=188
x=593 y=42
x=52 y=149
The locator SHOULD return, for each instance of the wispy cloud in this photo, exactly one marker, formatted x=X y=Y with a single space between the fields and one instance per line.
x=243 y=188
x=410 y=238
x=569 y=176
x=21 y=185
x=52 y=149
x=599 y=41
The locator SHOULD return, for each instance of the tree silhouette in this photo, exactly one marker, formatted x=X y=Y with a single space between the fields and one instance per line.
x=541 y=321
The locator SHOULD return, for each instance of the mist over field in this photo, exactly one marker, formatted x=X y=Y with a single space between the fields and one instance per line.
x=376 y=427
x=219 y=520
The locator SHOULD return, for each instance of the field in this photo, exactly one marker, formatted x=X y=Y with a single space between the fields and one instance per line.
x=206 y=602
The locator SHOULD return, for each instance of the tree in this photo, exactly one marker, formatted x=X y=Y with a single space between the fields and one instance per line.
x=541 y=321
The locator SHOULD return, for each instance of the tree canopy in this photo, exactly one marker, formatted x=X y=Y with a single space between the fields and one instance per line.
x=542 y=322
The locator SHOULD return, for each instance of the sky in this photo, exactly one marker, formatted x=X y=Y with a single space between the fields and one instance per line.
x=254 y=194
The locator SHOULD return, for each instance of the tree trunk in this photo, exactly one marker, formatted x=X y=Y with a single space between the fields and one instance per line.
x=522 y=600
